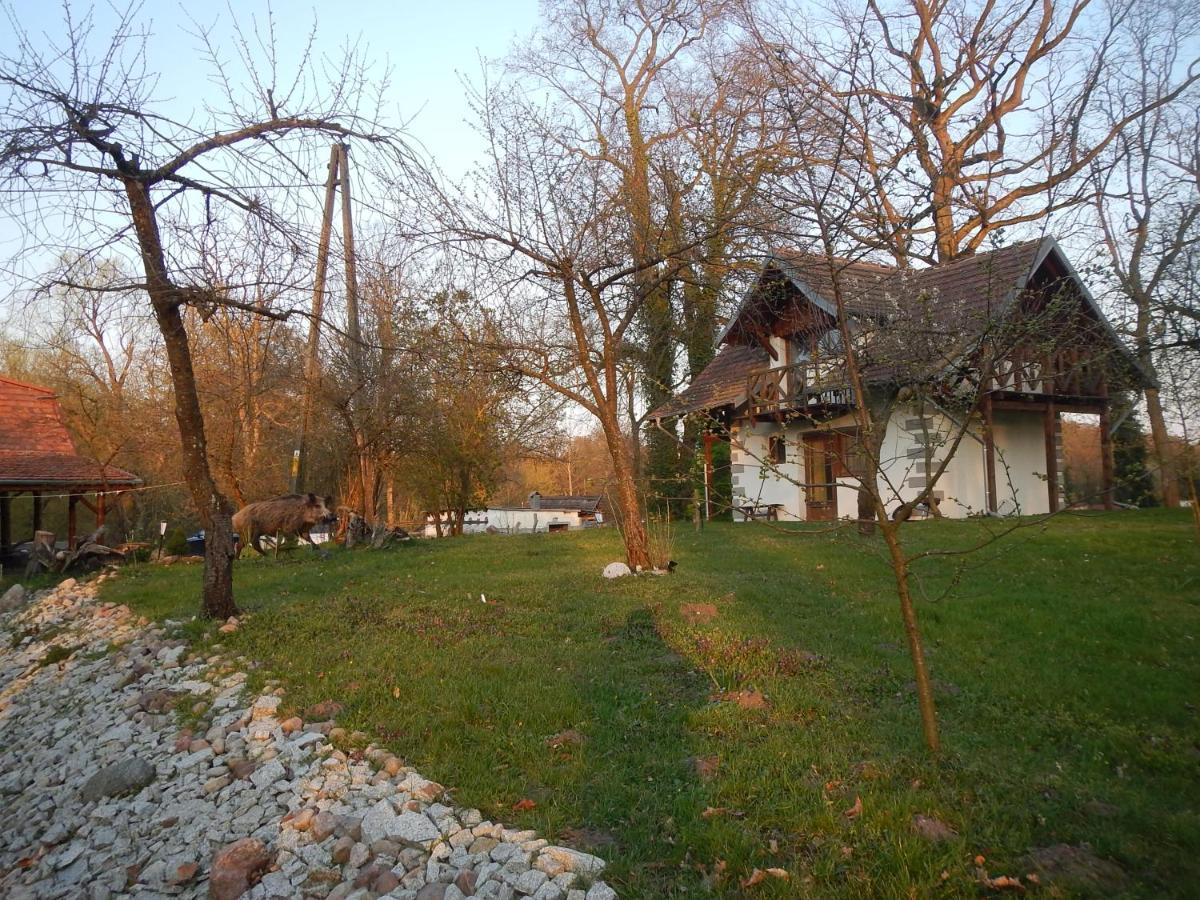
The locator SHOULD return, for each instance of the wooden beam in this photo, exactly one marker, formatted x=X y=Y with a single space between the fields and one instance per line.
x=1049 y=418
x=37 y=512
x=1106 y=459
x=989 y=453
x=5 y=521
x=101 y=509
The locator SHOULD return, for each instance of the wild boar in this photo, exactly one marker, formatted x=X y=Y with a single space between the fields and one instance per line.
x=291 y=514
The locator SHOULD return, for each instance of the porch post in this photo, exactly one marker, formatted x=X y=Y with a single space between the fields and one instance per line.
x=709 y=437
x=1048 y=420
x=989 y=454
x=71 y=501
x=5 y=521
x=1106 y=457
x=37 y=512
x=101 y=509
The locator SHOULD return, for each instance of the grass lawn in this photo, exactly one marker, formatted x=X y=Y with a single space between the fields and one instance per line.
x=1065 y=658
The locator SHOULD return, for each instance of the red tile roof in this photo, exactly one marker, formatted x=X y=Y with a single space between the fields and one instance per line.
x=36 y=449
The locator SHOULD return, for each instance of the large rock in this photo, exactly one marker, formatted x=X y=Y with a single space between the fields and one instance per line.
x=379 y=822
x=617 y=570
x=235 y=867
x=564 y=859
x=124 y=777
x=13 y=598
x=414 y=828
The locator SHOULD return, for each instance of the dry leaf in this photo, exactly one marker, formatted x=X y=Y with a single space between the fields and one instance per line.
x=756 y=877
x=1004 y=883
x=856 y=810
x=524 y=804
x=778 y=873
x=396 y=692
x=980 y=860
x=711 y=811
x=774 y=845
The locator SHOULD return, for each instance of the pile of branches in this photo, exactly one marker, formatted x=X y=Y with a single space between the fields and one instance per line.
x=90 y=554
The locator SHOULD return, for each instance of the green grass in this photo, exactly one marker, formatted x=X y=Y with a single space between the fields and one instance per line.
x=1065 y=658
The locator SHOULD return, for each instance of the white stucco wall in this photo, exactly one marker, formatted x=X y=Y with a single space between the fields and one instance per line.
x=962 y=487
x=758 y=483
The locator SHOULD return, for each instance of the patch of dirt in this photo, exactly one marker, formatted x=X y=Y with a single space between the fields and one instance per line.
x=744 y=699
x=1077 y=869
x=586 y=838
x=326 y=709
x=705 y=766
x=1100 y=809
x=932 y=829
x=568 y=738
x=698 y=613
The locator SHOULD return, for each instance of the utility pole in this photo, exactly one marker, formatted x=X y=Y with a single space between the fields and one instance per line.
x=354 y=336
x=312 y=354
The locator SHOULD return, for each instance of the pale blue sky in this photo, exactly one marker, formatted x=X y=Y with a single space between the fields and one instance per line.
x=426 y=45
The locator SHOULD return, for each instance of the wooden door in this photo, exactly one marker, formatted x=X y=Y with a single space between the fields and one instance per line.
x=820 y=485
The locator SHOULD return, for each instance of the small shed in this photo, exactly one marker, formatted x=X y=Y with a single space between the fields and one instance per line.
x=38 y=457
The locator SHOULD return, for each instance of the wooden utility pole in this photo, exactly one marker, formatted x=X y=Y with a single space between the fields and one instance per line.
x=354 y=339
x=312 y=355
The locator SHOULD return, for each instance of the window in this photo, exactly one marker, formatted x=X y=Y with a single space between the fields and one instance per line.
x=777 y=449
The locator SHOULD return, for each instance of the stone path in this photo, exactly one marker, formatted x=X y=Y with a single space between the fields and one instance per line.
x=102 y=796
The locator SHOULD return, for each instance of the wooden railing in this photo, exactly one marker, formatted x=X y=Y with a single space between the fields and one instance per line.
x=1065 y=373
x=797 y=387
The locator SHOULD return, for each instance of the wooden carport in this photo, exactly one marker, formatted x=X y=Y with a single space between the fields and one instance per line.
x=37 y=457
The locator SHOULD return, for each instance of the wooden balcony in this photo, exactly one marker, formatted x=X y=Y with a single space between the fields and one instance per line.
x=1065 y=373
x=800 y=387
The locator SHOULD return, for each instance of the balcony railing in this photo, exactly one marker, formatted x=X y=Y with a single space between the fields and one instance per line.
x=795 y=388
x=1063 y=373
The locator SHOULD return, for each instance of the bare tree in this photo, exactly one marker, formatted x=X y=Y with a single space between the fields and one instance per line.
x=1147 y=205
x=968 y=119
x=88 y=151
x=890 y=344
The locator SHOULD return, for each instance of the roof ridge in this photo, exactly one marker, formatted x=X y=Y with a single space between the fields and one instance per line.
x=27 y=384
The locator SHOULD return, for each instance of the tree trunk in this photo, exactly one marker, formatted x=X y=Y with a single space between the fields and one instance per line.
x=916 y=650
x=1162 y=450
x=633 y=528
x=211 y=505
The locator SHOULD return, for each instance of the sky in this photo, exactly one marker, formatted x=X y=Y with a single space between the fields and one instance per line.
x=427 y=47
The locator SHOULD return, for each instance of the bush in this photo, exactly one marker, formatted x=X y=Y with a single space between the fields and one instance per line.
x=176 y=543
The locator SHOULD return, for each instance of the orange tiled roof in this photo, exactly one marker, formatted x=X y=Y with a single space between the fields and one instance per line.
x=36 y=449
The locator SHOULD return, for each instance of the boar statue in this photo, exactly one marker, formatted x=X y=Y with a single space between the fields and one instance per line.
x=291 y=514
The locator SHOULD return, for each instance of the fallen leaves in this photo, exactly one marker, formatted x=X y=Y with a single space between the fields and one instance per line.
x=758 y=876
x=524 y=805
x=856 y=810
x=712 y=812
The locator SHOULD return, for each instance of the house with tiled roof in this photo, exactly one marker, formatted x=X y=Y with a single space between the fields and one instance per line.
x=38 y=457
x=972 y=361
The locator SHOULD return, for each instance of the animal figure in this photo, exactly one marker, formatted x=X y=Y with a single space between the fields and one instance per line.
x=291 y=514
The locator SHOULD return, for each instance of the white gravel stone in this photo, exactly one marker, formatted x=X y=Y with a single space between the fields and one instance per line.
x=63 y=724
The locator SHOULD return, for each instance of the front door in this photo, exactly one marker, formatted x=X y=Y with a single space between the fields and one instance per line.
x=820 y=452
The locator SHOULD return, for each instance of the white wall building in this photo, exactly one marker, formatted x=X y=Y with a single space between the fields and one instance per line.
x=542 y=514
x=975 y=359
